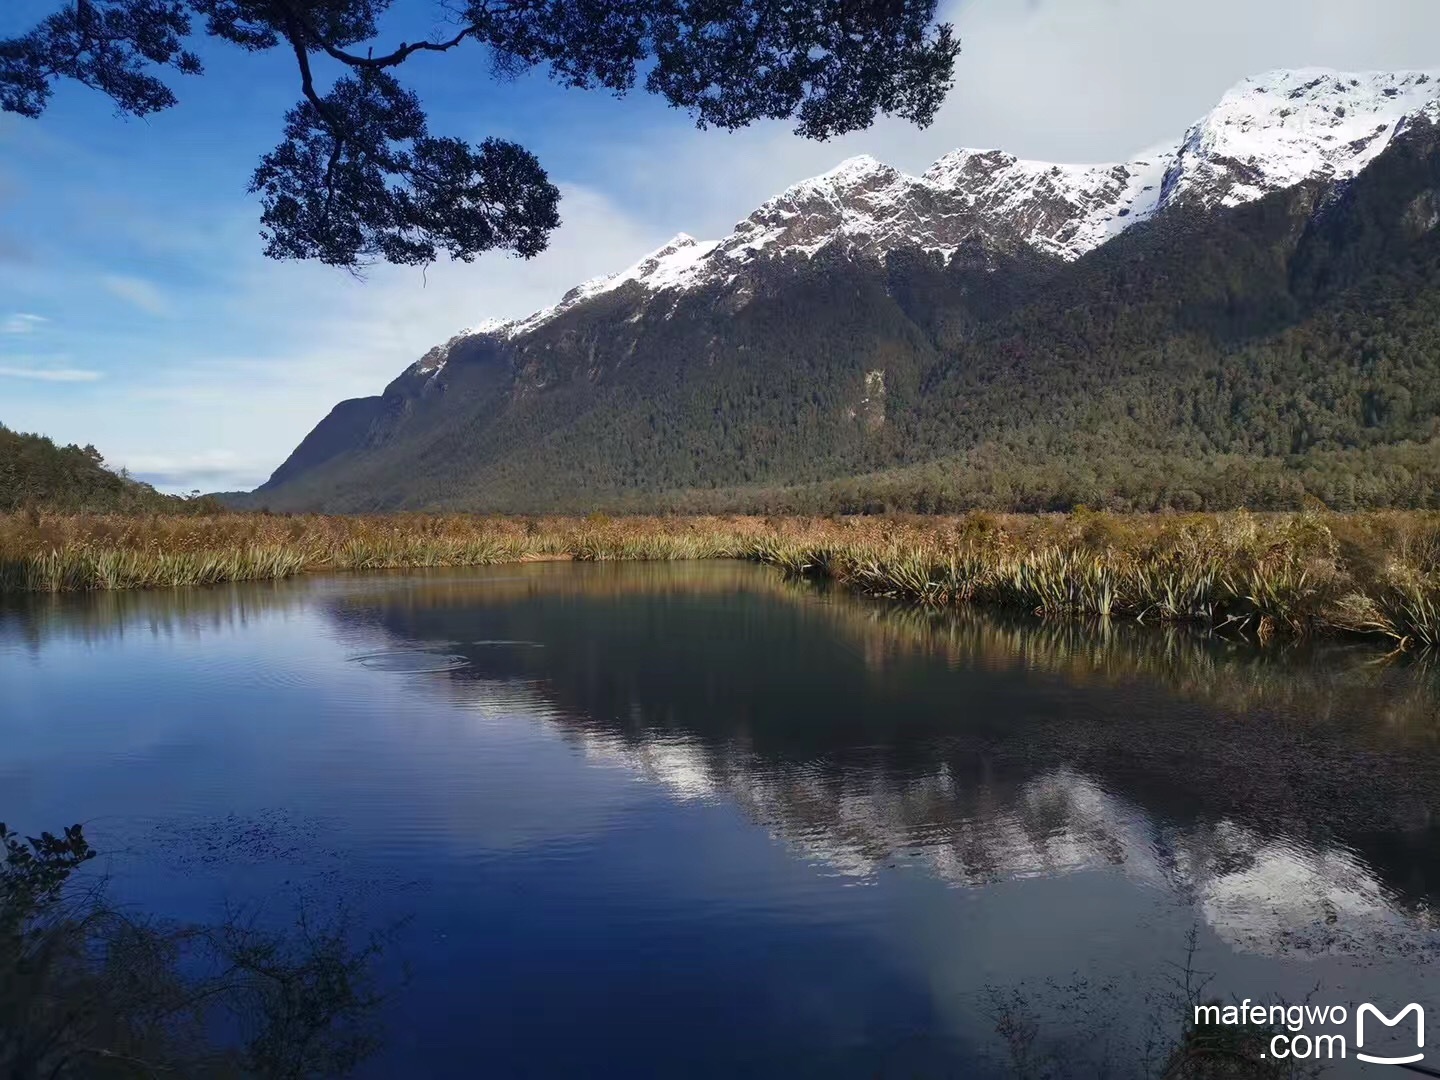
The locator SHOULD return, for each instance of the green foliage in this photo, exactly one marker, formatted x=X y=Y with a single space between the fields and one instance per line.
x=359 y=177
x=34 y=872
x=458 y=199
x=35 y=474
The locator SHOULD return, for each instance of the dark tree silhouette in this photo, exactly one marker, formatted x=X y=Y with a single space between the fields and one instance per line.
x=91 y=990
x=359 y=177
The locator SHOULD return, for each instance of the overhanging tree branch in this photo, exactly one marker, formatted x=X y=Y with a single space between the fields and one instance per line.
x=400 y=55
x=307 y=86
x=359 y=177
x=295 y=35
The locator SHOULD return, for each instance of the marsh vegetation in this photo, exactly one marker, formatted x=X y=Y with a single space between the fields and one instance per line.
x=1375 y=574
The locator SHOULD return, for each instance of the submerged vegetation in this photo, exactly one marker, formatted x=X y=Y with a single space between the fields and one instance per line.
x=1375 y=574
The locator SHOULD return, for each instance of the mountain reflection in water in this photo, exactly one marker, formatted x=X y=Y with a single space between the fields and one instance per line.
x=1287 y=796
x=1289 y=793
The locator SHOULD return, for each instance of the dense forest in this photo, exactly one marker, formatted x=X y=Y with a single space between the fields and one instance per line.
x=1268 y=355
x=37 y=474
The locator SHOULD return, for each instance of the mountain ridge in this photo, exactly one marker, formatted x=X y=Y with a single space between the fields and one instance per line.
x=812 y=344
x=1065 y=209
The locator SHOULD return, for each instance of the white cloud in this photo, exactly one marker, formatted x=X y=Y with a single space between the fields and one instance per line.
x=1096 y=80
x=21 y=323
x=1058 y=80
x=209 y=470
x=50 y=374
x=145 y=295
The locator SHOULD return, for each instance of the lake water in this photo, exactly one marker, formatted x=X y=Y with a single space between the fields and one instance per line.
x=693 y=820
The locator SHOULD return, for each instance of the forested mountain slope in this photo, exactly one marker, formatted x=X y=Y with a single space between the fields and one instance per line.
x=1246 y=342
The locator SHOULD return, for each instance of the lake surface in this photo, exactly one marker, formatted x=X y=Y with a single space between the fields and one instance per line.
x=661 y=820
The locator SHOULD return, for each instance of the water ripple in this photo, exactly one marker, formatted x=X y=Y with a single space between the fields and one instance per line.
x=411 y=661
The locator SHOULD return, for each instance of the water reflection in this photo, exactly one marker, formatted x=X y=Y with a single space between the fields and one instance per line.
x=1289 y=795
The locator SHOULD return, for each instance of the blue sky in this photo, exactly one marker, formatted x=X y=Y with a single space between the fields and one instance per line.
x=137 y=313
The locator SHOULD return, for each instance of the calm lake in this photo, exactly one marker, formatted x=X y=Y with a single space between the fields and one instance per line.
x=694 y=820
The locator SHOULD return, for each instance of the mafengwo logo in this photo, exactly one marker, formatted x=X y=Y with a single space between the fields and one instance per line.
x=1368 y=1010
x=1321 y=1032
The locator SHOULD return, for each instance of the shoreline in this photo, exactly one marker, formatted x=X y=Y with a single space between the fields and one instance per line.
x=1374 y=575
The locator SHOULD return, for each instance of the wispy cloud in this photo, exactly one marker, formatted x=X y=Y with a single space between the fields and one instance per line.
x=51 y=374
x=207 y=470
x=288 y=341
x=143 y=294
x=21 y=323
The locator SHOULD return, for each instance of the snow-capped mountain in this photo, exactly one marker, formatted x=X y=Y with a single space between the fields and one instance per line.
x=960 y=334
x=1267 y=133
x=1279 y=129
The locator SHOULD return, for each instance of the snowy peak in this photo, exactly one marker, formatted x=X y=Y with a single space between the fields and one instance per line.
x=987 y=194
x=675 y=264
x=852 y=171
x=1430 y=113
x=1267 y=133
x=861 y=200
x=668 y=265
x=1284 y=127
x=1063 y=210
x=435 y=360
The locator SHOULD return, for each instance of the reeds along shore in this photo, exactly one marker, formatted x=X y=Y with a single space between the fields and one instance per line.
x=1375 y=574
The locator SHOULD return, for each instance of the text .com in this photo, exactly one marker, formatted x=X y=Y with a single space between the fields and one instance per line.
x=1388 y=1034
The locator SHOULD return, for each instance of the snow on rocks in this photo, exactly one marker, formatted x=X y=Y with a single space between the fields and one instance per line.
x=1278 y=129
x=1267 y=133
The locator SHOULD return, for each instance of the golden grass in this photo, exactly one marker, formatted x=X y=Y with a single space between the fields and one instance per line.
x=1374 y=574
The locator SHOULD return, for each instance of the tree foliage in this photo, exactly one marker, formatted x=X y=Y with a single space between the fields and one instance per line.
x=37 y=474
x=359 y=177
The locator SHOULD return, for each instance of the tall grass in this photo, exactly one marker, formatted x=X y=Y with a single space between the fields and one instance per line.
x=1292 y=574
x=1372 y=574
